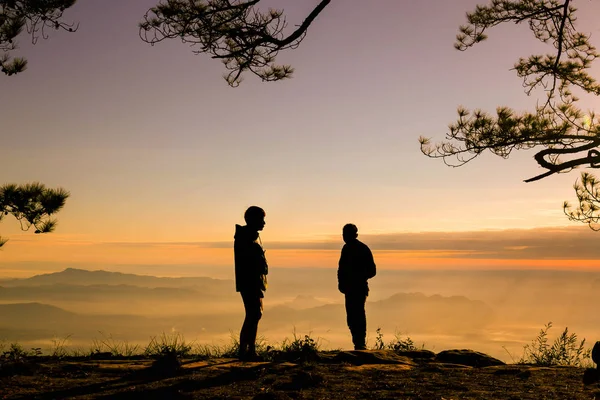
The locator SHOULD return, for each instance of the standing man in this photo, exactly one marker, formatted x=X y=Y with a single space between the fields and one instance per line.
x=355 y=268
x=250 y=276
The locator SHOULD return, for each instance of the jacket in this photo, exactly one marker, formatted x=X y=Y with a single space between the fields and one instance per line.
x=356 y=266
x=251 y=267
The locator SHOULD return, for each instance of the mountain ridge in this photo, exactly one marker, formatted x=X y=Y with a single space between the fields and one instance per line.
x=93 y=277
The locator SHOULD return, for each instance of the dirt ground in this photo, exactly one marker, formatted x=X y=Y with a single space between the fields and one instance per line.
x=326 y=378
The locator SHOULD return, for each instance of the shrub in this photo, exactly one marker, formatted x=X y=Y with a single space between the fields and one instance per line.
x=298 y=349
x=15 y=353
x=566 y=350
x=299 y=344
x=399 y=344
x=17 y=361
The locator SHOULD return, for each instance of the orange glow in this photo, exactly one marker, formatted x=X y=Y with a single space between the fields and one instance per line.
x=53 y=250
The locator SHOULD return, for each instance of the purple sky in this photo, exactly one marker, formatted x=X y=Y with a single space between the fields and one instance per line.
x=154 y=146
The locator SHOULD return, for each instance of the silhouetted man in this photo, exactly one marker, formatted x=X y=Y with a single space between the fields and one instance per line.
x=355 y=268
x=250 y=276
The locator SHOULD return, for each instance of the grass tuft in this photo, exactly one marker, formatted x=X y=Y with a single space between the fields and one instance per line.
x=173 y=344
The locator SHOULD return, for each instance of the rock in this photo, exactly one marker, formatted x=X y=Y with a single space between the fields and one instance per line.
x=166 y=365
x=525 y=374
x=19 y=367
x=467 y=357
x=508 y=371
x=272 y=396
x=590 y=375
x=432 y=367
x=361 y=357
x=301 y=380
x=305 y=379
x=417 y=354
x=596 y=354
x=101 y=355
x=295 y=356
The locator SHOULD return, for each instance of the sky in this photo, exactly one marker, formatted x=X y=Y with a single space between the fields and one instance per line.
x=162 y=157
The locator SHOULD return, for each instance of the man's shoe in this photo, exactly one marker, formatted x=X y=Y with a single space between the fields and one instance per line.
x=360 y=347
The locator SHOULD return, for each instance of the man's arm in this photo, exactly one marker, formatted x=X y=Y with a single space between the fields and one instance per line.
x=370 y=268
x=341 y=271
x=262 y=267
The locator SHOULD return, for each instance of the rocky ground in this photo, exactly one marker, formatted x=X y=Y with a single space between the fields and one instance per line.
x=382 y=374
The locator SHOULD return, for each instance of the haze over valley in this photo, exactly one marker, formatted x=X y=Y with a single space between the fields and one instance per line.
x=496 y=312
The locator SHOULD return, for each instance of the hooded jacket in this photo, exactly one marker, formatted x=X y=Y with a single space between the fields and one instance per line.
x=251 y=267
x=356 y=266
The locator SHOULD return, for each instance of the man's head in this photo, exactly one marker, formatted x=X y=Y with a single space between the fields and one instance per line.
x=350 y=232
x=255 y=218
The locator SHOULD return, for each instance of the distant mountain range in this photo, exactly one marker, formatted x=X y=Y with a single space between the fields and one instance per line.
x=33 y=311
x=437 y=304
x=413 y=310
x=76 y=301
x=74 y=276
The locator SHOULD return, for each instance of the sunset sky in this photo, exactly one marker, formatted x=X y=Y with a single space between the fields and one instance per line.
x=162 y=157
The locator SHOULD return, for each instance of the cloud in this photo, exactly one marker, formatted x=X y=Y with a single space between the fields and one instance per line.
x=558 y=243
x=539 y=243
x=570 y=243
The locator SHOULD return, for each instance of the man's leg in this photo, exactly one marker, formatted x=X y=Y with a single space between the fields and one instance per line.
x=257 y=309
x=361 y=323
x=244 y=341
x=253 y=307
x=357 y=319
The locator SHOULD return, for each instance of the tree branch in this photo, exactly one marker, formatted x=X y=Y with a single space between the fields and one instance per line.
x=303 y=27
x=557 y=168
x=241 y=36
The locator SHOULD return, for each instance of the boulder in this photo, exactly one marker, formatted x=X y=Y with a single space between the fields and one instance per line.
x=596 y=354
x=590 y=375
x=272 y=396
x=361 y=357
x=417 y=354
x=467 y=357
x=166 y=365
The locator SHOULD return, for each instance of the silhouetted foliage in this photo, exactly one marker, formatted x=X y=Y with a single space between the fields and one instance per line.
x=300 y=348
x=36 y=16
x=31 y=204
x=246 y=38
x=566 y=350
x=557 y=124
x=399 y=344
x=237 y=32
x=588 y=196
